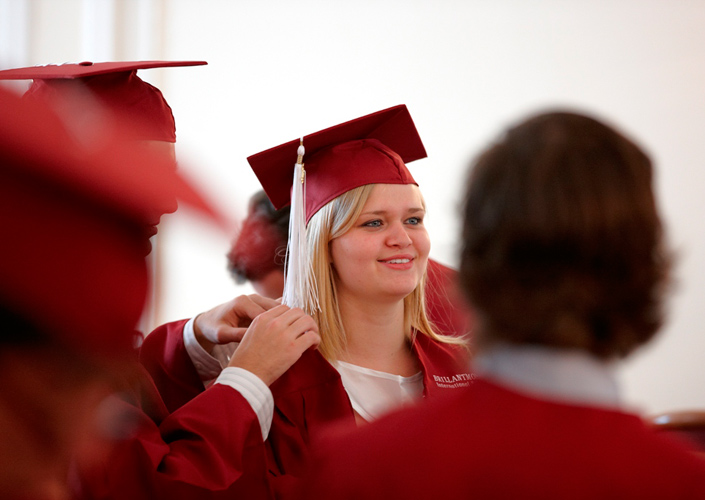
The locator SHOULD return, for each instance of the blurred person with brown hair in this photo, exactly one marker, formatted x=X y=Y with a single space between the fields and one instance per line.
x=565 y=265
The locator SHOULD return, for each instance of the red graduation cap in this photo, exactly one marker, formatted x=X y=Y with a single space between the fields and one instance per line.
x=372 y=149
x=72 y=214
x=115 y=85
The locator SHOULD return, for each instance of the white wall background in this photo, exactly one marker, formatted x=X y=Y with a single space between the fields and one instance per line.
x=465 y=68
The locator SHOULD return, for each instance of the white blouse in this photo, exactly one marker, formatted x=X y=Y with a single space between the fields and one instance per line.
x=374 y=393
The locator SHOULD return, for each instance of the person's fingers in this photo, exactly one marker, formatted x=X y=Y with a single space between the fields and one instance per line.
x=266 y=321
x=281 y=316
x=307 y=340
x=264 y=302
x=249 y=306
x=293 y=324
x=231 y=334
x=274 y=341
x=301 y=324
x=227 y=322
x=278 y=314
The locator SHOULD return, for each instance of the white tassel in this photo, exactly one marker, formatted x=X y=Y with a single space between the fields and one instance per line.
x=299 y=283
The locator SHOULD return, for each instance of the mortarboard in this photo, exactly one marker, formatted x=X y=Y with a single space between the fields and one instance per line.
x=72 y=216
x=372 y=149
x=116 y=87
x=368 y=150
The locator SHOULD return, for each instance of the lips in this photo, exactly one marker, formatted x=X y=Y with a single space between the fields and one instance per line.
x=150 y=231
x=398 y=262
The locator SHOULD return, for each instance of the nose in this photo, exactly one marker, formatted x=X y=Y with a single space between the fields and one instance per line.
x=162 y=206
x=170 y=205
x=397 y=236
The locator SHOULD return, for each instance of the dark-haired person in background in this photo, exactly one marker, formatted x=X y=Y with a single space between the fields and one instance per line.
x=258 y=253
x=564 y=262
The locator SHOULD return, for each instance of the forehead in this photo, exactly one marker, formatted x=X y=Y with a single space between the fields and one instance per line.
x=387 y=197
x=160 y=147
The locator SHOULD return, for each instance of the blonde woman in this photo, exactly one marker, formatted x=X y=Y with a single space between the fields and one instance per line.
x=359 y=271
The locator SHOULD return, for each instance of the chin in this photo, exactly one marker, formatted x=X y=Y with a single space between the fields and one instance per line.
x=147 y=247
x=401 y=292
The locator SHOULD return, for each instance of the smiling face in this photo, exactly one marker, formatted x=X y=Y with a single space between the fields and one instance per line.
x=384 y=254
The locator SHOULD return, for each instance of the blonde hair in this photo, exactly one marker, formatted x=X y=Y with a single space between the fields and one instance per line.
x=330 y=222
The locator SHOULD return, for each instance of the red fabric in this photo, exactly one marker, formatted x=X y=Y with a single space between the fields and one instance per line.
x=68 y=216
x=695 y=436
x=308 y=398
x=489 y=442
x=77 y=272
x=164 y=356
x=445 y=305
x=211 y=448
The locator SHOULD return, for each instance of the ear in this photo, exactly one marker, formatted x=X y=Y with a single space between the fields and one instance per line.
x=330 y=255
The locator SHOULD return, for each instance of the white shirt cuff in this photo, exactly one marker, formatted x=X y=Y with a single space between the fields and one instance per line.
x=254 y=391
x=207 y=366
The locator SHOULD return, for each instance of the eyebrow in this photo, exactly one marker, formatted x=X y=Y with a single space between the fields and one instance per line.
x=383 y=212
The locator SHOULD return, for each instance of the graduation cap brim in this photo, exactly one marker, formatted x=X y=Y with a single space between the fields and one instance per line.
x=393 y=127
x=86 y=69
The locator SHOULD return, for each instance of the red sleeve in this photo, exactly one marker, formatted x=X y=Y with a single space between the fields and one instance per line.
x=211 y=448
x=164 y=356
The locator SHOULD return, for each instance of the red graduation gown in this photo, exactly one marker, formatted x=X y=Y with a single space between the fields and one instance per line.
x=490 y=442
x=210 y=448
x=308 y=398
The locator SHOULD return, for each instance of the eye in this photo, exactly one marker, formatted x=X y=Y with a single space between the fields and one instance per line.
x=414 y=221
x=372 y=223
